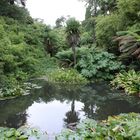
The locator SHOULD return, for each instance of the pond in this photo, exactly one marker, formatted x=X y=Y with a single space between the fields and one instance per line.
x=54 y=107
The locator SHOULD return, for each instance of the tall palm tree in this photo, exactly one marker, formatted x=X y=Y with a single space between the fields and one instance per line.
x=73 y=35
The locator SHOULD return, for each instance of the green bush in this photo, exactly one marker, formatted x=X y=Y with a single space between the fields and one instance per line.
x=106 y=28
x=86 y=38
x=121 y=127
x=23 y=133
x=129 y=81
x=125 y=15
x=69 y=76
x=129 y=44
x=14 y=11
x=60 y=41
x=98 y=65
x=22 y=54
x=66 y=56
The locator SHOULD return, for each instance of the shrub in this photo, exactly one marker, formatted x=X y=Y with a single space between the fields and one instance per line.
x=86 y=38
x=106 y=28
x=129 y=43
x=66 y=57
x=121 y=127
x=23 y=133
x=22 y=55
x=129 y=81
x=69 y=76
x=98 y=64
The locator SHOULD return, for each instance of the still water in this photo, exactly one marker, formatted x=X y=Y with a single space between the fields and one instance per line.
x=54 y=107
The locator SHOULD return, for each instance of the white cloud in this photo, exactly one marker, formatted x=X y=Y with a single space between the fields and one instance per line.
x=50 y=10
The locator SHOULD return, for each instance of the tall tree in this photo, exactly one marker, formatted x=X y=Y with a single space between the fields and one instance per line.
x=100 y=6
x=73 y=35
x=15 y=11
x=60 y=21
x=91 y=12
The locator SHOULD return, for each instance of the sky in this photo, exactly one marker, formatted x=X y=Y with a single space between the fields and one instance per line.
x=50 y=10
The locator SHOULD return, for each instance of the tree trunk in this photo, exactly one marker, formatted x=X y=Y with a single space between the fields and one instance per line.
x=94 y=35
x=73 y=106
x=74 y=54
x=95 y=7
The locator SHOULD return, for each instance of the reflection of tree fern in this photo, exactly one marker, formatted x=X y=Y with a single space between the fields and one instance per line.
x=72 y=117
x=129 y=43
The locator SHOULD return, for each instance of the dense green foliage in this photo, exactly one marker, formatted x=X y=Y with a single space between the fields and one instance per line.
x=54 y=40
x=69 y=76
x=29 y=49
x=121 y=127
x=25 y=43
x=114 y=27
x=22 y=133
x=13 y=11
x=129 y=81
x=66 y=56
x=16 y=89
x=126 y=15
x=22 y=54
x=98 y=65
x=106 y=28
x=129 y=43
x=105 y=18
x=92 y=63
x=16 y=45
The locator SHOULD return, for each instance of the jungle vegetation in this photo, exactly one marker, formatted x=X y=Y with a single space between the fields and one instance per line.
x=105 y=46
x=101 y=46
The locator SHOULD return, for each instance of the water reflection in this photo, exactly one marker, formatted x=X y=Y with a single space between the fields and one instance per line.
x=56 y=106
x=72 y=116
